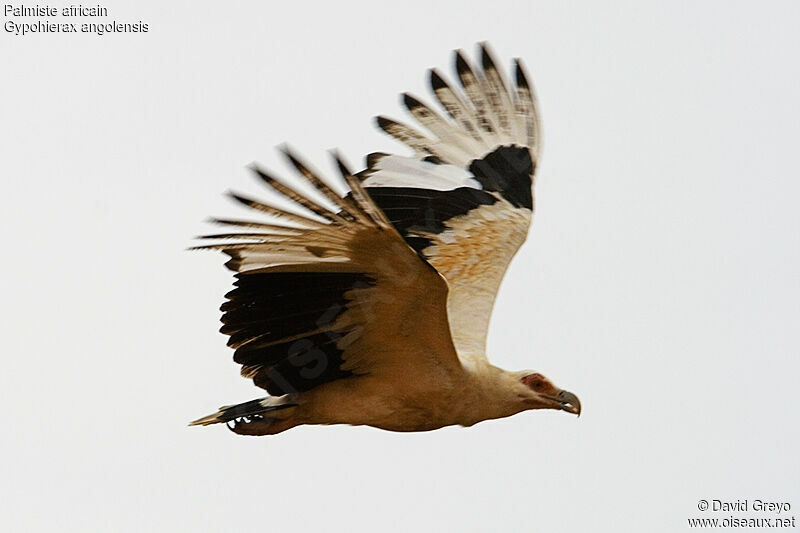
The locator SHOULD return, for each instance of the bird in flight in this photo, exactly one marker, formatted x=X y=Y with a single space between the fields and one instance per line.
x=372 y=307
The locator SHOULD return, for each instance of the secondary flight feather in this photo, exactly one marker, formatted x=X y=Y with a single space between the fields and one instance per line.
x=373 y=308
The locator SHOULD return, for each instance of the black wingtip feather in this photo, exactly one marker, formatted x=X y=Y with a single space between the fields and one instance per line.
x=374 y=157
x=261 y=173
x=410 y=102
x=519 y=74
x=340 y=164
x=437 y=82
x=292 y=158
x=486 y=57
x=291 y=155
x=239 y=198
x=462 y=67
x=384 y=123
x=296 y=161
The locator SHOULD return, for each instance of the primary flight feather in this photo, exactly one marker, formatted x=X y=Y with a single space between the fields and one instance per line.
x=373 y=308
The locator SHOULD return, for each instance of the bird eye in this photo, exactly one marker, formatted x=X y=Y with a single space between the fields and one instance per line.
x=535 y=381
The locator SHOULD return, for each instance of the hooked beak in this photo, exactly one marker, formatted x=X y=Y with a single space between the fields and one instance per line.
x=569 y=402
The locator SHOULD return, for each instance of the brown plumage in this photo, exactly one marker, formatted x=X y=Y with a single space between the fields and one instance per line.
x=374 y=310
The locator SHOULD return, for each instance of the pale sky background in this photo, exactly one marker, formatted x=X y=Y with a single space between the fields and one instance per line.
x=660 y=281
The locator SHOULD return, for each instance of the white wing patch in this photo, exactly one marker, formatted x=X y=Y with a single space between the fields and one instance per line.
x=473 y=254
x=399 y=171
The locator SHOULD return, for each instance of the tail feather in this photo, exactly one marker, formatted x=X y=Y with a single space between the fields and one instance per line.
x=227 y=413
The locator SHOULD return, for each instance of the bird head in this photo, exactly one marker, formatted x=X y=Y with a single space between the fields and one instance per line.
x=540 y=393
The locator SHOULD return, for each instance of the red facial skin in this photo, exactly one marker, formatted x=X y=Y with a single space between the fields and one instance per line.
x=540 y=384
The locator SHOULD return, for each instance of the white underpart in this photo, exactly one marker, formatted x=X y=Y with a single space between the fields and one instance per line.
x=399 y=171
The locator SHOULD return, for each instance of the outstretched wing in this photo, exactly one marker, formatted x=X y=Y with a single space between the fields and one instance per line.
x=464 y=200
x=324 y=296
